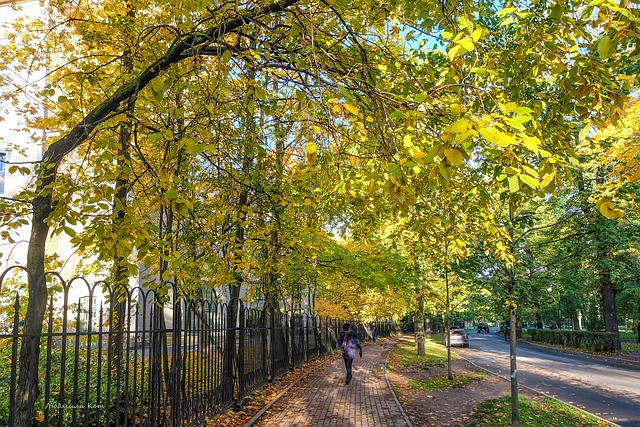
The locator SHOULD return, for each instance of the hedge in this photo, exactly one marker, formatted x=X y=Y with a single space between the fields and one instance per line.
x=595 y=341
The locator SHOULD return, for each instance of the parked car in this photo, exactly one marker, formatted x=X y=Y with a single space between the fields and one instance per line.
x=459 y=338
x=483 y=327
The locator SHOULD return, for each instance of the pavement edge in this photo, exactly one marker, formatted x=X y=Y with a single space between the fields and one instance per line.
x=393 y=393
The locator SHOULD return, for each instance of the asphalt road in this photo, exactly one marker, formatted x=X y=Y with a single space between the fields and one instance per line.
x=609 y=391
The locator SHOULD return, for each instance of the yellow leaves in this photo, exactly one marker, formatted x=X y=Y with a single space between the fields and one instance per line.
x=531 y=143
x=310 y=150
x=460 y=47
x=407 y=141
x=463 y=128
x=632 y=171
x=511 y=304
x=467 y=44
x=506 y=11
x=351 y=108
x=476 y=35
x=456 y=108
x=458 y=126
x=464 y=41
x=529 y=181
x=497 y=137
x=606 y=207
x=514 y=183
x=471 y=133
x=454 y=156
x=518 y=122
x=419 y=155
x=584 y=132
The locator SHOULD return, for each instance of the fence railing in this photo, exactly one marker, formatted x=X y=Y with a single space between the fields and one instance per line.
x=125 y=357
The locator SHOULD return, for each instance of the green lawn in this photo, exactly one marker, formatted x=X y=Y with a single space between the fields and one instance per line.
x=405 y=354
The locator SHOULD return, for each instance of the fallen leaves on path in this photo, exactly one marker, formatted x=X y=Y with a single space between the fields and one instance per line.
x=241 y=412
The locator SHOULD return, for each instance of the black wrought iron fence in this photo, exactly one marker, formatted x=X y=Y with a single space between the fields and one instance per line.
x=136 y=357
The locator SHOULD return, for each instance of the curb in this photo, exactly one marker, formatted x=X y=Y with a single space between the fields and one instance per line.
x=393 y=393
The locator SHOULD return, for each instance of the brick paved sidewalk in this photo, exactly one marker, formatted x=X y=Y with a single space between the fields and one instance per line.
x=322 y=399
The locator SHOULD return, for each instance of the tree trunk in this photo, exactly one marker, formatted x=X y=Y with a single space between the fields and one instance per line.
x=609 y=309
x=271 y=249
x=419 y=323
x=515 y=415
x=27 y=387
x=121 y=251
x=511 y=304
x=448 y=325
x=427 y=327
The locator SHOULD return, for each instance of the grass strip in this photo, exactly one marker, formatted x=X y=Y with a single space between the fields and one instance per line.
x=442 y=382
x=547 y=412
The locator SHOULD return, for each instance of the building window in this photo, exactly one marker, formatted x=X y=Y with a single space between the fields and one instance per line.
x=3 y=169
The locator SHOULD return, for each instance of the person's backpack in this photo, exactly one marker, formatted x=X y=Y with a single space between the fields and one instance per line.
x=345 y=341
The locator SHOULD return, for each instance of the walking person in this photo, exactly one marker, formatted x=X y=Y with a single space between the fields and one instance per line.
x=374 y=332
x=349 y=342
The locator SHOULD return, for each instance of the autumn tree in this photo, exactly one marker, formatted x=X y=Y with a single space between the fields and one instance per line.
x=377 y=104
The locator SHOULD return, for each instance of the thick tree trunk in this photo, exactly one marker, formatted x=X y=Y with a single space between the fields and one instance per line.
x=609 y=309
x=27 y=387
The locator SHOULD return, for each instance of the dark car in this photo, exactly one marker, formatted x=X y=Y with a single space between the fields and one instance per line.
x=459 y=338
x=483 y=327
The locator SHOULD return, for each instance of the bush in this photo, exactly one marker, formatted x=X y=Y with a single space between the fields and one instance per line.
x=594 y=341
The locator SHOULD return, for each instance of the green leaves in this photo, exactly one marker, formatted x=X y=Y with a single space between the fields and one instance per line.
x=605 y=47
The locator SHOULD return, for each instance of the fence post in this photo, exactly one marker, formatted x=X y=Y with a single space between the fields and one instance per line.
x=272 y=334
x=291 y=337
x=305 y=338
x=263 y=338
x=14 y=360
x=176 y=363
x=240 y=360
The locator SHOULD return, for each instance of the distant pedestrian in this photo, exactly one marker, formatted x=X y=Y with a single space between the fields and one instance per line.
x=638 y=331
x=348 y=341
x=374 y=332
x=506 y=333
